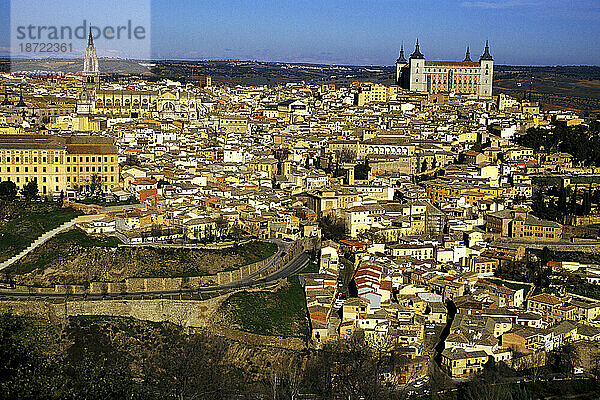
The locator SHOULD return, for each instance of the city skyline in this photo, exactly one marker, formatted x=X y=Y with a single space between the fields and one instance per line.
x=519 y=32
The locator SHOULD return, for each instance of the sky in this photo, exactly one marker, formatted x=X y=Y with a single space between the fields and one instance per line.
x=367 y=32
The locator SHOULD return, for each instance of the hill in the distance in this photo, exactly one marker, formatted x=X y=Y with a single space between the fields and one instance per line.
x=569 y=87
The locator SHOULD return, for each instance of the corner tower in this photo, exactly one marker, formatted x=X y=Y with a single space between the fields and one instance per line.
x=417 y=70
x=486 y=72
x=400 y=63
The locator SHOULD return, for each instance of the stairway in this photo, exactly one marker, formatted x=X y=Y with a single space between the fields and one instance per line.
x=43 y=238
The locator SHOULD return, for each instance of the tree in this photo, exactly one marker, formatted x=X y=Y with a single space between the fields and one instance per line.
x=349 y=368
x=186 y=367
x=30 y=190
x=8 y=190
x=361 y=171
x=333 y=228
x=573 y=204
x=95 y=184
x=562 y=200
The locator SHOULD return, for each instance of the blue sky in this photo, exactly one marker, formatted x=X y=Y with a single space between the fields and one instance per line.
x=369 y=32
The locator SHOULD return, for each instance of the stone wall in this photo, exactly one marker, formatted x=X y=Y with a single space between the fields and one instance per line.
x=187 y=313
x=195 y=315
x=260 y=269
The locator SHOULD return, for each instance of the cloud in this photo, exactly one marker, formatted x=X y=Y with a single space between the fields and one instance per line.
x=494 y=5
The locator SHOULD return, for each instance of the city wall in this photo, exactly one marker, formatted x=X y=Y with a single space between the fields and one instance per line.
x=186 y=313
x=260 y=269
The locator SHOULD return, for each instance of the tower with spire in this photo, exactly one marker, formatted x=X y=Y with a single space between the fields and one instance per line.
x=90 y=61
x=467 y=55
x=486 y=72
x=86 y=101
x=400 y=63
x=461 y=77
x=416 y=65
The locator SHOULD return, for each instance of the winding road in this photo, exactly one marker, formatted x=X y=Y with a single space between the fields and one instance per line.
x=293 y=267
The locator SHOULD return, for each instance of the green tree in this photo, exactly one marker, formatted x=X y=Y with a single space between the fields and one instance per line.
x=30 y=190
x=8 y=190
x=573 y=203
x=96 y=184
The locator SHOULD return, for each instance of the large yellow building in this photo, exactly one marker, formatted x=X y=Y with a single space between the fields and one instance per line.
x=57 y=163
x=374 y=93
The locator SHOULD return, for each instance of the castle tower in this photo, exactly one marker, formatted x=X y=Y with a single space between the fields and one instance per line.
x=486 y=67
x=400 y=63
x=468 y=55
x=417 y=70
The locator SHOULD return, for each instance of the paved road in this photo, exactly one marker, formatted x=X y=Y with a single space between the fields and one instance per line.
x=293 y=267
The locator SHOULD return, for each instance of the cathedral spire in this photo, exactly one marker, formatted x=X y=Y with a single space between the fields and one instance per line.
x=486 y=53
x=468 y=55
x=90 y=61
x=90 y=38
x=417 y=53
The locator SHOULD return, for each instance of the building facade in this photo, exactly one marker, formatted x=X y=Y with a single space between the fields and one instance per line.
x=462 y=77
x=58 y=163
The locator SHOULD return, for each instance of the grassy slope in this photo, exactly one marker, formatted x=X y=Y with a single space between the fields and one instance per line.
x=57 y=248
x=152 y=262
x=26 y=222
x=280 y=313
